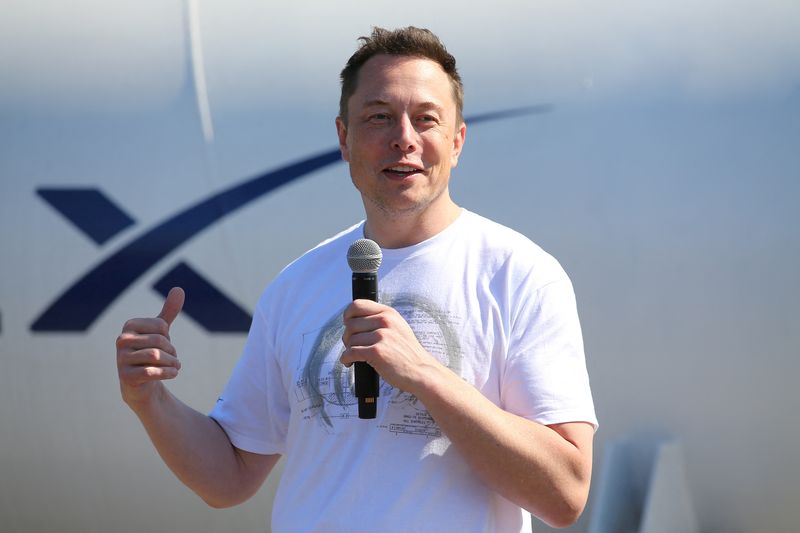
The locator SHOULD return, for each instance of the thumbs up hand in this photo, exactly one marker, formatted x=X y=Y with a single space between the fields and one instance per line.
x=145 y=354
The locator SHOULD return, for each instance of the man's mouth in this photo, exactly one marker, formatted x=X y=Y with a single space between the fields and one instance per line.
x=401 y=171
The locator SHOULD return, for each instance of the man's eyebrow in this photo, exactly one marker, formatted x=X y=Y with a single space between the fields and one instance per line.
x=430 y=105
x=377 y=102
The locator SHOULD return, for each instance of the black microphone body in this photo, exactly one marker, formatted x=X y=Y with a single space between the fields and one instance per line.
x=367 y=384
x=364 y=258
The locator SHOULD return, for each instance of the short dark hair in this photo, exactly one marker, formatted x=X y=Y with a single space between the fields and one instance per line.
x=410 y=41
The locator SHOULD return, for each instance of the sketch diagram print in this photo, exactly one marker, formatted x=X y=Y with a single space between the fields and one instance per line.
x=324 y=387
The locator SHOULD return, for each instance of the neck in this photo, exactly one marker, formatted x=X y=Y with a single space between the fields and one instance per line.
x=399 y=230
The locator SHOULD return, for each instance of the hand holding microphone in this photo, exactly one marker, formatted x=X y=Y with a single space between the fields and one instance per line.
x=378 y=340
x=364 y=257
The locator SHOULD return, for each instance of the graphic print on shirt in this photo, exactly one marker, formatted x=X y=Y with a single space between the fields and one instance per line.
x=324 y=388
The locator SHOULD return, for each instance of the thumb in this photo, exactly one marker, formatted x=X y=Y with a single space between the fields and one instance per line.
x=172 y=305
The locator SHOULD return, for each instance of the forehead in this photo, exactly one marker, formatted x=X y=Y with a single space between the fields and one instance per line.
x=392 y=78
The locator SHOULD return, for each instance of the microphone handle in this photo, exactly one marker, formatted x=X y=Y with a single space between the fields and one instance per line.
x=367 y=384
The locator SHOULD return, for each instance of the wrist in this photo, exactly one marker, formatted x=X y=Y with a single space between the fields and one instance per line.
x=436 y=383
x=145 y=398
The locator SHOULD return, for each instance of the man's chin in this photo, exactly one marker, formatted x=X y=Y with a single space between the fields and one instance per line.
x=400 y=206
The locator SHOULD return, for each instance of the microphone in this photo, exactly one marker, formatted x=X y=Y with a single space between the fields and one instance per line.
x=364 y=257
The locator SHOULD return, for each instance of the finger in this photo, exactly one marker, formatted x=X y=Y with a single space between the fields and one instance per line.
x=137 y=326
x=355 y=354
x=143 y=374
x=359 y=308
x=172 y=305
x=356 y=325
x=365 y=338
x=348 y=358
x=150 y=357
x=133 y=341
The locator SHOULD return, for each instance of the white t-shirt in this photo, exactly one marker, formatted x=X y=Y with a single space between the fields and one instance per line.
x=484 y=300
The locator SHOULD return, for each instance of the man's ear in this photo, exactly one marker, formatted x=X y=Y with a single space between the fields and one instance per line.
x=341 y=131
x=458 y=144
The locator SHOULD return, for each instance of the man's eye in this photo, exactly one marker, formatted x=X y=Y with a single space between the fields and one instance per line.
x=427 y=119
x=379 y=117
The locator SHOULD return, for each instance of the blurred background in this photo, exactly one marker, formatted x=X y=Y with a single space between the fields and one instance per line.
x=660 y=165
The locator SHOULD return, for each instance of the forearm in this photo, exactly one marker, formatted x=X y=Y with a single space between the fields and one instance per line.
x=197 y=450
x=545 y=470
x=527 y=463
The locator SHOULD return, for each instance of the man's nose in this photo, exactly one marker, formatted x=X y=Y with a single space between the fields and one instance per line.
x=404 y=137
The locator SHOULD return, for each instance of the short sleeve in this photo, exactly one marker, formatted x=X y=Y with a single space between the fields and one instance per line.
x=254 y=408
x=545 y=377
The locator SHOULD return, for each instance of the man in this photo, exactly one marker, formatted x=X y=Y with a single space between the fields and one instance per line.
x=485 y=408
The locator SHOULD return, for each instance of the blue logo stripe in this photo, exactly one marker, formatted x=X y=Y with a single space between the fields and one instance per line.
x=205 y=303
x=509 y=113
x=90 y=210
x=83 y=302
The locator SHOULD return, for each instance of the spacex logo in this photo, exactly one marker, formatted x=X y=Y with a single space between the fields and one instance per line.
x=92 y=213
x=83 y=302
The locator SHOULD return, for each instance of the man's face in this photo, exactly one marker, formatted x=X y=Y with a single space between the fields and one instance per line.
x=402 y=137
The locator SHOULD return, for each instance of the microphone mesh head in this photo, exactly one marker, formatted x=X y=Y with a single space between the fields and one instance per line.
x=364 y=255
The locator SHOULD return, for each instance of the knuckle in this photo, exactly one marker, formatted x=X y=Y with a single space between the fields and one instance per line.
x=152 y=372
x=121 y=341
